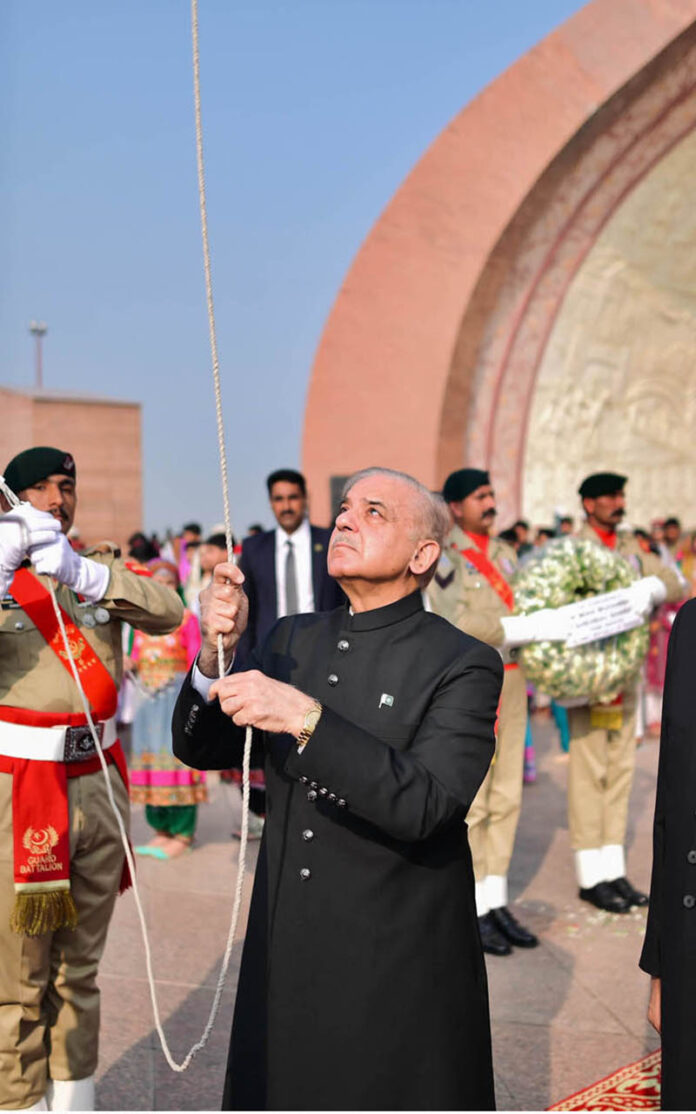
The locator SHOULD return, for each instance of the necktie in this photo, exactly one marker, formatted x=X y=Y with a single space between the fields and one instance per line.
x=291 y=605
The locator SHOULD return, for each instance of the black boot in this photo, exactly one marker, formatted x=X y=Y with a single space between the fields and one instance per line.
x=491 y=940
x=604 y=896
x=511 y=929
x=629 y=893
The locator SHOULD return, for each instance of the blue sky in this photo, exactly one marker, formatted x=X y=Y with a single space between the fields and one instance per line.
x=314 y=112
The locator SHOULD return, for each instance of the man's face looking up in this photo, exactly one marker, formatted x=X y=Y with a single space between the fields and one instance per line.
x=377 y=536
x=288 y=505
x=56 y=494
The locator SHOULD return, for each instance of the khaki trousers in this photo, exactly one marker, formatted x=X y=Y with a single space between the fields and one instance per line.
x=600 y=775
x=49 y=1000
x=495 y=812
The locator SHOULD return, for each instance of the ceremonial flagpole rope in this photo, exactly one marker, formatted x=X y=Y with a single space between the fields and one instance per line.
x=14 y=502
x=246 y=762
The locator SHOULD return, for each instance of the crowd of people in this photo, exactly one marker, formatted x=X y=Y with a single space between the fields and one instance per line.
x=378 y=662
x=187 y=559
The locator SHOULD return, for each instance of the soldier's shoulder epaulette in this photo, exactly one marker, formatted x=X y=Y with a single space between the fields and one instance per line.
x=103 y=549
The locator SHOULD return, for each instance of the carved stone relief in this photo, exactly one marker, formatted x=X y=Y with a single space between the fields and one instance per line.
x=598 y=305
x=616 y=387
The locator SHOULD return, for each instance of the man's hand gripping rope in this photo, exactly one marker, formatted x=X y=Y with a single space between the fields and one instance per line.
x=25 y=529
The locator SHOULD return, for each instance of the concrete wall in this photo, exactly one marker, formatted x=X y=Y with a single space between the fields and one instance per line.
x=104 y=437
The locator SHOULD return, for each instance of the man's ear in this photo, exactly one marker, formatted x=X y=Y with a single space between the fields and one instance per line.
x=426 y=555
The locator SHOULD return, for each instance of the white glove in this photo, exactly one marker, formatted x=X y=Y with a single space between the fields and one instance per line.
x=19 y=528
x=647 y=593
x=541 y=626
x=59 y=559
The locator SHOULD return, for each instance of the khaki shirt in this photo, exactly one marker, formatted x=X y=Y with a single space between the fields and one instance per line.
x=645 y=564
x=460 y=593
x=32 y=676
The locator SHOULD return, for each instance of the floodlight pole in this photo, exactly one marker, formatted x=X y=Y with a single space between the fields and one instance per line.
x=38 y=330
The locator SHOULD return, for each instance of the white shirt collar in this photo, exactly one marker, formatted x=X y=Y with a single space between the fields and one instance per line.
x=301 y=533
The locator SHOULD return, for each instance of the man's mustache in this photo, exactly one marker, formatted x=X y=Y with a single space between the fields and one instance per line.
x=618 y=513
x=491 y=513
x=342 y=539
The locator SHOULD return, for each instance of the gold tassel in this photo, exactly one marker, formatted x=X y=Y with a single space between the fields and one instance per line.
x=36 y=913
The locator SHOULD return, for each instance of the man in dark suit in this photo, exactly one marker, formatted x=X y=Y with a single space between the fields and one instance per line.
x=669 y=951
x=362 y=984
x=285 y=573
x=285 y=570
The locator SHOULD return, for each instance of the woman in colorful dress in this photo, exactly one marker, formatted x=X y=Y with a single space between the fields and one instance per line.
x=170 y=791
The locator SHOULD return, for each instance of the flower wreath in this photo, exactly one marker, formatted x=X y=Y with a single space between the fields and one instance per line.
x=564 y=571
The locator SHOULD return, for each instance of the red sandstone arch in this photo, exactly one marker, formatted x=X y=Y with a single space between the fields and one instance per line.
x=429 y=355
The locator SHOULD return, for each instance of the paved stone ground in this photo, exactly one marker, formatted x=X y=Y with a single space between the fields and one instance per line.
x=563 y=1015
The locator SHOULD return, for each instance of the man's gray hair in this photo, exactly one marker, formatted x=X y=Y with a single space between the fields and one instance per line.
x=431 y=519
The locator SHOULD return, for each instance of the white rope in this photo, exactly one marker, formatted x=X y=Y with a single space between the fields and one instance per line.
x=14 y=501
x=178 y=1067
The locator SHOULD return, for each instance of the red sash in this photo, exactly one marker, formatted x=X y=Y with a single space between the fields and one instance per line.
x=100 y=688
x=40 y=825
x=495 y=578
x=40 y=822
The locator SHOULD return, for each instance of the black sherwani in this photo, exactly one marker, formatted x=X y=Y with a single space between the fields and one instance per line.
x=363 y=984
x=669 y=951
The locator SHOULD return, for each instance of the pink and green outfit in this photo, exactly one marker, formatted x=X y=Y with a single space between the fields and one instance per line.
x=170 y=791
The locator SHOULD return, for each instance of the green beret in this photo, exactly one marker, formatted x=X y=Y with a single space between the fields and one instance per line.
x=601 y=483
x=33 y=465
x=460 y=484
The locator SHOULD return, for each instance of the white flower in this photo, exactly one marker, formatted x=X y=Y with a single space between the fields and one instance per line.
x=565 y=571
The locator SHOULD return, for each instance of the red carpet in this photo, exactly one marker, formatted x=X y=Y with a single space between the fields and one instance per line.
x=636 y=1087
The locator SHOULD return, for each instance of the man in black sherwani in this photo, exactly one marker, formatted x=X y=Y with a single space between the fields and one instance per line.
x=669 y=951
x=362 y=983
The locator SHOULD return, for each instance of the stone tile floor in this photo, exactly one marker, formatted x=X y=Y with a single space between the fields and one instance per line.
x=563 y=1015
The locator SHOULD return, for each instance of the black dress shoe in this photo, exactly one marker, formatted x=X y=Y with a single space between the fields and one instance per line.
x=491 y=940
x=509 y=927
x=604 y=896
x=629 y=893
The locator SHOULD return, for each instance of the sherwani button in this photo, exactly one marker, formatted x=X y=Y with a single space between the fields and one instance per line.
x=341 y=803
x=323 y=791
x=304 y=780
x=305 y=873
x=331 y=797
x=689 y=901
x=692 y=857
x=308 y=834
x=332 y=679
x=343 y=645
x=314 y=785
x=312 y=795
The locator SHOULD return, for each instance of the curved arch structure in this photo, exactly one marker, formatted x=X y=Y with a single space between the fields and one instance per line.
x=457 y=307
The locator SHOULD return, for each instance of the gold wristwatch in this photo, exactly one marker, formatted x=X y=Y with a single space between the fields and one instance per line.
x=311 y=720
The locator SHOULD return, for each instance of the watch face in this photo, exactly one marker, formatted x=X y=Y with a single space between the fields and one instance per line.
x=312 y=718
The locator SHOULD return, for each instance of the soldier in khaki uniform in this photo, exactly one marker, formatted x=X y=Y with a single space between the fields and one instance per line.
x=602 y=739
x=471 y=588
x=61 y=857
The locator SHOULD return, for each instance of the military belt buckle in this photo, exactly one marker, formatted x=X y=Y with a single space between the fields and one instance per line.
x=79 y=744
